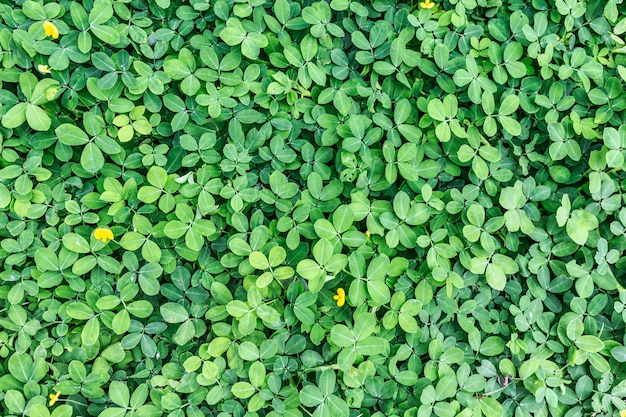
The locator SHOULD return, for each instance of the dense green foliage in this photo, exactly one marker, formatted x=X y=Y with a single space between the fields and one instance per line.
x=187 y=188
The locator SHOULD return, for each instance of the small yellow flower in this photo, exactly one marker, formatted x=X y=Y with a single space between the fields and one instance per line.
x=50 y=29
x=43 y=69
x=340 y=297
x=622 y=413
x=368 y=234
x=103 y=234
x=427 y=4
x=54 y=398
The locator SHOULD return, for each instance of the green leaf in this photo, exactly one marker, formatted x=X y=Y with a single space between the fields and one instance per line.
x=342 y=336
x=107 y=34
x=509 y=105
x=234 y=33
x=277 y=256
x=379 y=291
x=257 y=374
x=76 y=243
x=15 y=117
x=495 y=277
x=492 y=346
x=446 y=387
x=71 y=135
x=243 y=389
x=342 y=219
x=79 y=311
x=37 y=118
x=579 y=225
x=132 y=241
x=119 y=393
x=91 y=331
x=15 y=401
x=311 y=396
x=101 y=12
x=113 y=412
x=589 y=344
x=490 y=407
x=258 y=260
x=436 y=110
x=121 y=322
x=46 y=260
x=91 y=159
x=511 y=125
x=39 y=410
x=408 y=323
x=157 y=177
x=176 y=69
x=371 y=346
x=19 y=365
x=174 y=313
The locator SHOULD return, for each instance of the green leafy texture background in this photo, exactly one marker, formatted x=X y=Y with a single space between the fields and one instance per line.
x=459 y=171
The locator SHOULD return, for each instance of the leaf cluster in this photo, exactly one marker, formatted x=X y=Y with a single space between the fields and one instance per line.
x=458 y=172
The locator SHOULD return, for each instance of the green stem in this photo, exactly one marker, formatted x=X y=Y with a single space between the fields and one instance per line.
x=323 y=368
x=73 y=402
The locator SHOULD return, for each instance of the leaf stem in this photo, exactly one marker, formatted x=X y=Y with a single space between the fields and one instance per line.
x=323 y=368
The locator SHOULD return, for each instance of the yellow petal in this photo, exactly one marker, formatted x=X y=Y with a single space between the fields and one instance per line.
x=54 y=398
x=340 y=297
x=622 y=413
x=103 y=234
x=43 y=69
x=50 y=29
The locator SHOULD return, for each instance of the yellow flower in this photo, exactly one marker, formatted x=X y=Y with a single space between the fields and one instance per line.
x=43 y=69
x=50 y=29
x=340 y=297
x=103 y=234
x=427 y=4
x=54 y=398
x=622 y=413
x=368 y=234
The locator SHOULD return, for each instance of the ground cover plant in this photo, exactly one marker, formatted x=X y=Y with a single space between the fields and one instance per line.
x=312 y=208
